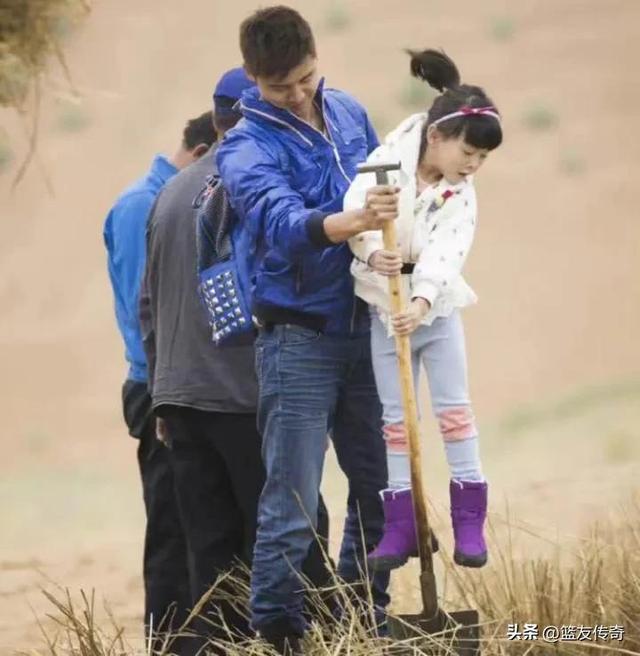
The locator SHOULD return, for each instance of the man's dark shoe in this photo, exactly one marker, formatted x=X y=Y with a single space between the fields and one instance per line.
x=282 y=638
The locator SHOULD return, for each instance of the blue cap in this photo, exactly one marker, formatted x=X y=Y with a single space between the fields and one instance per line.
x=229 y=89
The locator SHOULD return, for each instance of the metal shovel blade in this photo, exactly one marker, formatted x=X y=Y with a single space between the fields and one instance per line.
x=457 y=633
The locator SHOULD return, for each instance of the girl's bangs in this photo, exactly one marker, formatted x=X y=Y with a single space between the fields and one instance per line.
x=483 y=132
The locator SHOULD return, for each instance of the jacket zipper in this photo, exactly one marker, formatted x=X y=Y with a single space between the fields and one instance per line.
x=336 y=154
x=277 y=120
x=328 y=125
x=330 y=141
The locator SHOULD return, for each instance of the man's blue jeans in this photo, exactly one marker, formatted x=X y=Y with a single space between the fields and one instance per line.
x=312 y=384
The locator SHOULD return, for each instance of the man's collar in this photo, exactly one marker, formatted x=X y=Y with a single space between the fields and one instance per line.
x=253 y=107
x=163 y=168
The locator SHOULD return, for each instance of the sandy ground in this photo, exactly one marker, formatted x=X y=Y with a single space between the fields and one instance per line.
x=554 y=359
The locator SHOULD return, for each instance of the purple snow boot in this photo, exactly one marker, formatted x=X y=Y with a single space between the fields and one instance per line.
x=399 y=541
x=468 y=512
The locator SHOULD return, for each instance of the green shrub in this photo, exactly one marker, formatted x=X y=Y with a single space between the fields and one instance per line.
x=539 y=117
x=619 y=447
x=572 y=163
x=501 y=28
x=71 y=117
x=338 y=17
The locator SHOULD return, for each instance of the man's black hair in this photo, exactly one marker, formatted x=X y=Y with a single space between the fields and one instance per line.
x=275 y=40
x=199 y=131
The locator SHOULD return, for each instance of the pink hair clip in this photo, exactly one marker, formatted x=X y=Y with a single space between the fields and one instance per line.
x=470 y=111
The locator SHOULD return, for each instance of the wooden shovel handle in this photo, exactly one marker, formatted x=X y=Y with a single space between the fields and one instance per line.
x=403 y=350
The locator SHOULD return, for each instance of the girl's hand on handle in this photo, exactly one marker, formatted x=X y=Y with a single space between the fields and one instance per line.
x=386 y=263
x=404 y=323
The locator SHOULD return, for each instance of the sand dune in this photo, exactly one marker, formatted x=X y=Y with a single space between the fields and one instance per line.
x=554 y=263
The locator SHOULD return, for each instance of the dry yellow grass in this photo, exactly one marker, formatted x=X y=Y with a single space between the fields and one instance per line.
x=597 y=584
x=575 y=589
x=30 y=33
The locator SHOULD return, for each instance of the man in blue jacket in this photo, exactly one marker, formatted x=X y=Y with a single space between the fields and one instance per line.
x=165 y=561
x=287 y=167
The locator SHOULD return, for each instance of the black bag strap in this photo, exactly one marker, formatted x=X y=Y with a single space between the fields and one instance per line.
x=215 y=220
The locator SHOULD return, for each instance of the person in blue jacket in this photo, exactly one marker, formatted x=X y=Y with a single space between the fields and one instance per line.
x=165 y=561
x=286 y=168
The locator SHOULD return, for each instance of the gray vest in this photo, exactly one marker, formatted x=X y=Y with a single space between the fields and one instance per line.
x=185 y=367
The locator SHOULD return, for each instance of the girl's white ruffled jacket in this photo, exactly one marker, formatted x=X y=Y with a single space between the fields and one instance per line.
x=435 y=230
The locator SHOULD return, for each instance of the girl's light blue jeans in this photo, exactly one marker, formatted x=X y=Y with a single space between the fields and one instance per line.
x=440 y=350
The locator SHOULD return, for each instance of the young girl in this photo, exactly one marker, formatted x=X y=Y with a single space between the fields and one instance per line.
x=439 y=152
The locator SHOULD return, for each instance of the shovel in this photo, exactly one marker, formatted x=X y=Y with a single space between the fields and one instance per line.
x=459 y=632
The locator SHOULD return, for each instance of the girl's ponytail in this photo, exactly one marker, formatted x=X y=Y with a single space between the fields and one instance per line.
x=435 y=68
x=460 y=109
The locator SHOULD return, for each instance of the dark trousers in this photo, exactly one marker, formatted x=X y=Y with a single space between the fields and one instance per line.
x=165 y=572
x=219 y=475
